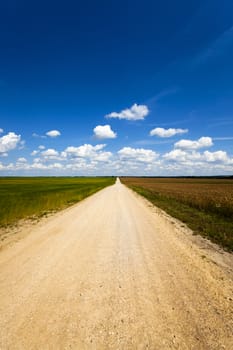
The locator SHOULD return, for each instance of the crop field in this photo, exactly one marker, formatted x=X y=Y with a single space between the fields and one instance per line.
x=204 y=204
x=30 y=197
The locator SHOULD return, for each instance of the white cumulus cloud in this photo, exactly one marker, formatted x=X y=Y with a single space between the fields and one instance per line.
x=196 y=160
x=87 y=151
x=83 y=151
x=180 y=155
x=218 y=156
x=161 y=132
x=102 y=156
x=1 y=131
x=9 y=142
x=136 y=112
x=202 y=142
x=53 y=133
x=22 y=160
x=104 y=132
x=50 y=153
x=137 y=154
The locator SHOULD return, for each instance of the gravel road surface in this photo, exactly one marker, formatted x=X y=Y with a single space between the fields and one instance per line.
x=113 y=272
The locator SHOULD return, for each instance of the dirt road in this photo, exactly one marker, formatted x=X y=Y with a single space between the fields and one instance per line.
x=113 y=273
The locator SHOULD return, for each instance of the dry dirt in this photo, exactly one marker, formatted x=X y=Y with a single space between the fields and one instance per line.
x=113 y=272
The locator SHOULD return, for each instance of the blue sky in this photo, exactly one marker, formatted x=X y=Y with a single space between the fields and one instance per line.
x=116 y=87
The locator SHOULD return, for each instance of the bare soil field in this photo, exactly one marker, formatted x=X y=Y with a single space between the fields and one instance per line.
x=115 y=272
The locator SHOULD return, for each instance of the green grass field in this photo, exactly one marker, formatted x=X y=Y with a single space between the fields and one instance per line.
x=33 y=197
x=204 y=204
